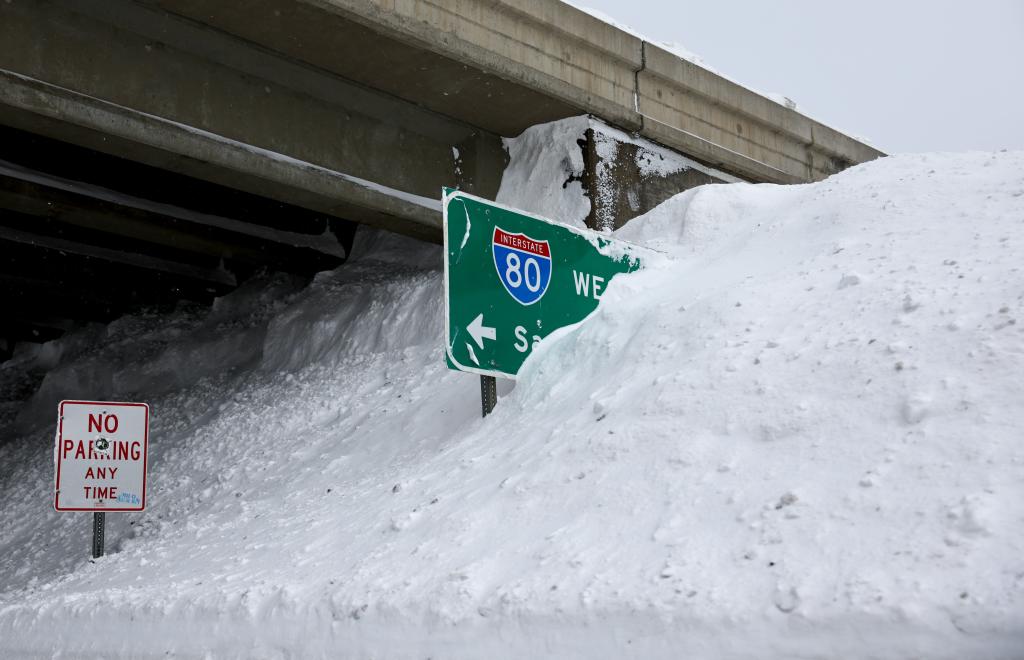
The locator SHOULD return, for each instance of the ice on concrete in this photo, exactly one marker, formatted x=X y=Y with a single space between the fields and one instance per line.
x=546 y=167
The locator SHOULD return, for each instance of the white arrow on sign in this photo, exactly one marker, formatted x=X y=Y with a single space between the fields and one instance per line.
x=479 y=331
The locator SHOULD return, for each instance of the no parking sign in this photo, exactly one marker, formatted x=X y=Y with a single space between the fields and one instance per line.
x=100 y=456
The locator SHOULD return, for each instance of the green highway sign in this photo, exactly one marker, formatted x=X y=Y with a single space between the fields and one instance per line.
x=512 y=278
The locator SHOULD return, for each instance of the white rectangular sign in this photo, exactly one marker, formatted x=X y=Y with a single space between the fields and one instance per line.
x=100 y=456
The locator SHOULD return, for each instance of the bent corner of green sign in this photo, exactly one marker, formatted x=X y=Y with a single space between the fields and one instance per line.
x=512 y=278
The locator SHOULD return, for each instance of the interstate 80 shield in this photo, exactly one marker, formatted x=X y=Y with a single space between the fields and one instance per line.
x=523 y=265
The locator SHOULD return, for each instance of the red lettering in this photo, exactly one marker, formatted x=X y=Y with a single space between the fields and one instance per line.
x=101 y=472
x=68 y=446
x=80 y=452
x=136 y=450
x=100 y=492
x=101 y=422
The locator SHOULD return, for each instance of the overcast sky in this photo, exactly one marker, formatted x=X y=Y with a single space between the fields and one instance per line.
x=910 y=75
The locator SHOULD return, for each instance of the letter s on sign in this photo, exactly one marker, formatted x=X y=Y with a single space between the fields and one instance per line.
x=521 y=344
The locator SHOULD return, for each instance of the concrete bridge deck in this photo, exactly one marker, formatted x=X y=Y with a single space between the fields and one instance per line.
x=340 y=110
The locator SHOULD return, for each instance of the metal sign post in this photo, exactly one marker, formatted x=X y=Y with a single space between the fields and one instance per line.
x=99 y=521
x=511 y=279
x=488 y=393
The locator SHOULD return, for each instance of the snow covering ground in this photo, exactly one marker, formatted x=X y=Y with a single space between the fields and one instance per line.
x=798 y=434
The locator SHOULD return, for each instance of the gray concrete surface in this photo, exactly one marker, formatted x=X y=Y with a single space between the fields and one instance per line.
x=382 y=90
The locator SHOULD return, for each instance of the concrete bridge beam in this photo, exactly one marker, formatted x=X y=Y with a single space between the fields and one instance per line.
x=142 y=83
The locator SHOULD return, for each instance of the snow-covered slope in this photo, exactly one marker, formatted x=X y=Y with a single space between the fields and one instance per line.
x=796 y=435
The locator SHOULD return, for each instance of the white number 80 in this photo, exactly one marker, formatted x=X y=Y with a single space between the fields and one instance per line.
x=514 y=276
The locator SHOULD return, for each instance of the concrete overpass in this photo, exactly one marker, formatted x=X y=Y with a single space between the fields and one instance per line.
x=190 y=143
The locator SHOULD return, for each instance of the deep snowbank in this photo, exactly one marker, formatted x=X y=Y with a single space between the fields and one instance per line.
x=797 y=435
x=545 y=170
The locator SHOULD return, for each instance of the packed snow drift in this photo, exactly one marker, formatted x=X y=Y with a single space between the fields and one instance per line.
x=796 y=434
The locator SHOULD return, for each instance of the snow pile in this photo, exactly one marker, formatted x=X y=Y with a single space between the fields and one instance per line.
x=546 y=168
x=796 y=435
x=782 y=99
x=151 y=353
x=545 y=171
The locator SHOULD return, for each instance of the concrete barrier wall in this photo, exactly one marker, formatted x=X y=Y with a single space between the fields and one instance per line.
x=543 y=44
x=552 y=47
x=784 y=145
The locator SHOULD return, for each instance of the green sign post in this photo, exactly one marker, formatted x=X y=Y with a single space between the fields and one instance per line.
x=511 y=279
